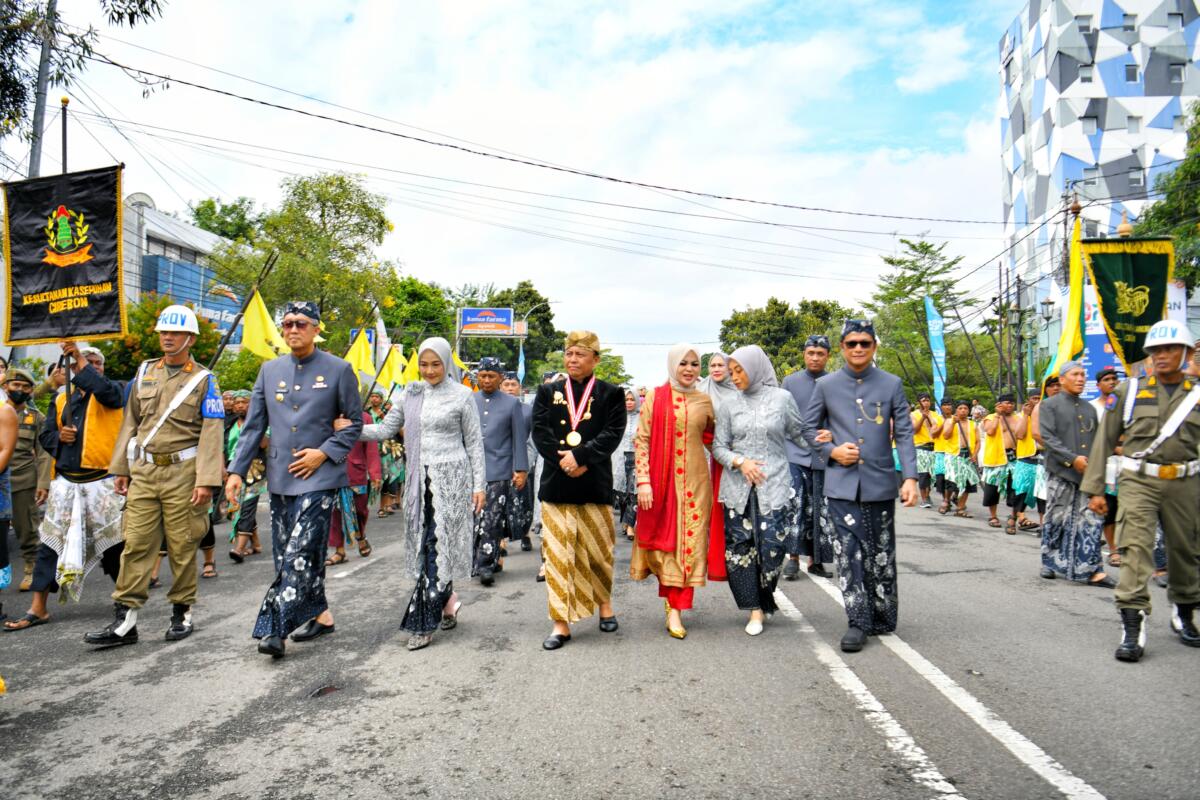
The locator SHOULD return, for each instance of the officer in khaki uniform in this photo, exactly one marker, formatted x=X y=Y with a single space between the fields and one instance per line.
x=29 y=469
x=176 y=416
x=1159 y=479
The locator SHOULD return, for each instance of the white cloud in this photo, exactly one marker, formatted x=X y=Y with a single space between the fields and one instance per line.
x=934 y=57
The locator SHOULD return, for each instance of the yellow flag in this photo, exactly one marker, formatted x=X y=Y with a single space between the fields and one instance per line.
x=392 y=371
x=411 y=372
x=360 y=356
x=259 y=334
x=1070 y=343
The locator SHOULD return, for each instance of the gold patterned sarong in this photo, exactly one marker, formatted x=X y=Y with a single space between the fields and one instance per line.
x=578 y=543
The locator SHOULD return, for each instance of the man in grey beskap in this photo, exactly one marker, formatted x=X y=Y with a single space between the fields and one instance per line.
x=1071 y=533
x=506 y=464
x=864 y=408
x=808 y=472
x=298 y=396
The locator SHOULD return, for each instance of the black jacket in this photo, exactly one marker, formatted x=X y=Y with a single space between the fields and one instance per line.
x=601 y=435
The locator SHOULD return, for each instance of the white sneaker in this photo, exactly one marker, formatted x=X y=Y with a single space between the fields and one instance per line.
x=754 y=627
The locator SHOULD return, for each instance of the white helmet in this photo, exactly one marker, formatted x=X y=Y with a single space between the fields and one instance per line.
x=1166 y=333
x=178 y=318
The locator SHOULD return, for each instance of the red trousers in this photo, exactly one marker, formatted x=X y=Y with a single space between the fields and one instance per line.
x=679 y=597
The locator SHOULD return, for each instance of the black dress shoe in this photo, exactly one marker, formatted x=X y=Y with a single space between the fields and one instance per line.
x=541 y=578
x=122 y=630
x=818 y=569
x=526 y=545
x=1047 y=573
x=555 y=641
x=608 y=624
x=791 y=569
x=487 y=577
x=854 y=640
x=311 y=630
x=271 y=646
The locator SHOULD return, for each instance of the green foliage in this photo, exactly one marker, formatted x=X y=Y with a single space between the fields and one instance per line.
x=236 y=221
x=1177 y=211
x=611 y=368
x=325 y=232
x=543 y=337
x=123 y=355
x=780 y=329
x=237 y=370
x=23 y=24
x=414 y=311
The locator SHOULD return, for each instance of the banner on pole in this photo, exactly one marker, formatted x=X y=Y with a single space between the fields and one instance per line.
x=63 y=257
x=1131 y=278
x=937 y=347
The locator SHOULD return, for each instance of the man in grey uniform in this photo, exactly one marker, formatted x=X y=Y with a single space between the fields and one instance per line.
x=808 y=472
x=299 y=396
x=520 y=513
x=864 y=408
x=506 y=464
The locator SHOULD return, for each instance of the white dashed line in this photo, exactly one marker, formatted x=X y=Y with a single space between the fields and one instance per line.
x=1022 y=748
x=348 y=571
x=917 y=763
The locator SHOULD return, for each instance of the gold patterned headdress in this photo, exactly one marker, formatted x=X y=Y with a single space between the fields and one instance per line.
x=583 y=339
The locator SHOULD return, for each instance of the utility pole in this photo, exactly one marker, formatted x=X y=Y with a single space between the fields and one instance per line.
x=43 y=83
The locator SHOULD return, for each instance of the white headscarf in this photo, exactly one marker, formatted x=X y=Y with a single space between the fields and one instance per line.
x=718 y=391
x=441 y=348
x=674 y=356
x=756 y=365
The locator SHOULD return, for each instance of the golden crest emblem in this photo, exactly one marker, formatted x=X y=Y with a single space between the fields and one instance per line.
x=67 y=238
x=1131 y=299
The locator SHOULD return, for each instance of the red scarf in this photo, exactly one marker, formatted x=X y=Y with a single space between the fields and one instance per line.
x=656 y=528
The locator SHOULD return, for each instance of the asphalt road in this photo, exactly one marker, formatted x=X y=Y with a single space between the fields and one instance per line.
x=998 y=685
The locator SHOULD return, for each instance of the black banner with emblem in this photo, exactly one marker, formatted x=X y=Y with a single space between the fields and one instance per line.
x=62 y=257
x=1131 y=278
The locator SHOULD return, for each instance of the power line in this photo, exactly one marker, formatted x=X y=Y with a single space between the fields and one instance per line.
x=528 y=162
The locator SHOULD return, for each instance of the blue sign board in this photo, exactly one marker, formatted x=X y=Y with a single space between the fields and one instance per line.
x=485 y=321
x=193 y=285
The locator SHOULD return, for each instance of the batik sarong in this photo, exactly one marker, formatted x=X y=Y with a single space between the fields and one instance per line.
x=962 y=474
x=1024 y=481
x=520 y=509
x=348 y=521
x=491 y=526
x=424 y=612
x=814 y=529
x=1071 y=532
x=578 y=547
x=939 y=463
x=996 y=476
x=755 y=545
x=299 y=544
x=82 y=521
x=865 y=550
x=625 y=503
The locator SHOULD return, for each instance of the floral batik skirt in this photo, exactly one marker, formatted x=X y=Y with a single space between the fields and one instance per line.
x=866 y=561
x=755 y=545
x=424 y=612
x=299 y=543
x=1071 y=532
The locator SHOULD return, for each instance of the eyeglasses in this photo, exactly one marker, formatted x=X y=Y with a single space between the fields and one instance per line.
x=857 y=344
x=298 y=324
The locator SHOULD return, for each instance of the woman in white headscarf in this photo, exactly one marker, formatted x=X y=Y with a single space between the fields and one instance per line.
x=624 y=483
x=757 y=488
x=718 y=386
x=443 y=487
x=673 y=486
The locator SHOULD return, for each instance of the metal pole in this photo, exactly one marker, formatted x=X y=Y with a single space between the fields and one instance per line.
x=272 y=257
x=43 y=83
x=1020 y=345
x=982 y=369
x=65 y=101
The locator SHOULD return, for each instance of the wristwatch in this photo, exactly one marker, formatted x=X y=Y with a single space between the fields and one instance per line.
x=738 y=461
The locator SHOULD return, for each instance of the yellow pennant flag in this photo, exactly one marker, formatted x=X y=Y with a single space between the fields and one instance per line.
x=259 y=333
x=392 y=371
x=359 y=356
x=411 y=372
x=1070 y=343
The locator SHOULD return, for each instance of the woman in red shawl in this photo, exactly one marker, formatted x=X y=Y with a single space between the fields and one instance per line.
x=674 y=489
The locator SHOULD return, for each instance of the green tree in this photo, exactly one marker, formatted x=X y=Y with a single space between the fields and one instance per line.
x=1175 y=213
x=610 y=369
x=415 y=311
x=236 y=221
x=523 y=299
x=780 y=329
x=123 y=355
x=237 y=370
x=24 y=24
x=325 y=232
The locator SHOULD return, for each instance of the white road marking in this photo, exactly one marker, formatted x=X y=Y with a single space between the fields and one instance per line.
x=363 y=564
x=1022 y=748
x=898 y=740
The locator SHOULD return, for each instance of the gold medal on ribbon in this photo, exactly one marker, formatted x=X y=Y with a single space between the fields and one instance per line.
x=577 y=411
x=574 y=439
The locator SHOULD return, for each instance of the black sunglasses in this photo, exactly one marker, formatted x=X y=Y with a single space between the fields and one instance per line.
x=298 y=324
x=858 y=344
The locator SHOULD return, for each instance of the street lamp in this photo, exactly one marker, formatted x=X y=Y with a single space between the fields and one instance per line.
x=521 y=345
x=1047 y=310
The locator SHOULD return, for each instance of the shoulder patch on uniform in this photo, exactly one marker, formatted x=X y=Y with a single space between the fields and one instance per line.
x=213 y=408
x=1145 y=395
x=1110 y=402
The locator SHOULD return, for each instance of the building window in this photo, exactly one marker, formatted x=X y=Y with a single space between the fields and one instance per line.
x=1133 y=124
x=1131 y=73
x=1085 y=73
x=155 y=247
x=1174 y=22
x=1008 y=73
x=1084 y=21
x=1177 y=72
x=1090 y=228
x=1089 y=125
x=1137 y=178
x=1090 y=174
x=1129 y=22
x=1177 y=124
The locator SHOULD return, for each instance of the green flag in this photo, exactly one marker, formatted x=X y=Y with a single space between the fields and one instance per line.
x=1131 y=278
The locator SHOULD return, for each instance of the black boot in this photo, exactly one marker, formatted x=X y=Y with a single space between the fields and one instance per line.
x=181 y=622
x=122 y=630
x=1133 y=645
x=854 y=640
x=1181 y=623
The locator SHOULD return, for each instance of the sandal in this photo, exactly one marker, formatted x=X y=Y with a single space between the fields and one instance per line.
x=335 y=559
x=210 y=570
x=30 y=620
x=383 y=512
x=964 y=514
x=993 y=523
x=237 y=556
x=1028 y=525
x=450 y=621
x=364 y=548
x=944 y=509
x=1114 y=560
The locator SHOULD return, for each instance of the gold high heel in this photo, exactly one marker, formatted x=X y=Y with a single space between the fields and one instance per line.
x=676 y=633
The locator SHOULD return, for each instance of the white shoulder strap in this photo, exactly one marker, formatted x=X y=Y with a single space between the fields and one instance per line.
x=1173 y=422
x=1130 y=399
x=176 y=401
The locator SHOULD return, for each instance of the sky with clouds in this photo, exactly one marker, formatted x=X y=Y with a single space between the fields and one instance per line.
x=859 y=105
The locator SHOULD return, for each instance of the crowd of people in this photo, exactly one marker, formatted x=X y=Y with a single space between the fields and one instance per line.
x=731 y=476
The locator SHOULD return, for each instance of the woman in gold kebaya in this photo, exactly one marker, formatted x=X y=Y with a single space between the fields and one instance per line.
x=674 y=489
